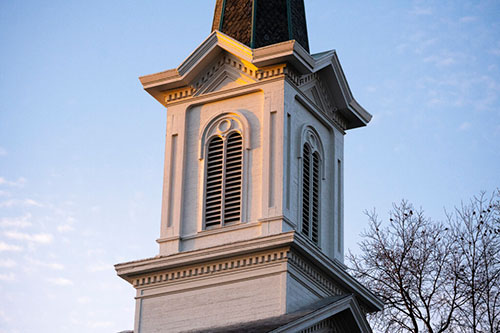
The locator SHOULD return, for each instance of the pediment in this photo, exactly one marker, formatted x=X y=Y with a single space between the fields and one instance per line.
x=226 y=73
x=313 y=90
x=203 y=73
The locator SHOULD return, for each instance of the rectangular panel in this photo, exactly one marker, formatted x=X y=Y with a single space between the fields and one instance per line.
x=272 y=157
x=173 y=162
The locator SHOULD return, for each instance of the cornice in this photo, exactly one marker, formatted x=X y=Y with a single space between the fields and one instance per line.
x=211 y=268
x=306 y=269
x=197 y=88
x=297 y=250
x=338 y=272
x=287 y=59
x=130 y=269
x=327 y=119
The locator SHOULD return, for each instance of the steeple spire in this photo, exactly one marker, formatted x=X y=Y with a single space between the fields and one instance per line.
x=259 y=23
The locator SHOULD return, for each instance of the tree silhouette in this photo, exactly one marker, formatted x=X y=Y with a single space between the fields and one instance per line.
x=434 y=276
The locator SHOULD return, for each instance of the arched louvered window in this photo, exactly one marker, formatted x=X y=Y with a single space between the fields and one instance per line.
x=223 y=186
x=213 y=184
x=310 y=193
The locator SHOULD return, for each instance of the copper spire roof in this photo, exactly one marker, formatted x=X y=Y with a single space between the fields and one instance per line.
x=259 y=23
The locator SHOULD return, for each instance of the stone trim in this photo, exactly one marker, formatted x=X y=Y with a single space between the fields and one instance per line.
x=210 y=268
x=293 y=76
x=178 y=94
x=196 y=88
x=331 y=118
x=331 y=111
x=238 y=263
x=308 y=270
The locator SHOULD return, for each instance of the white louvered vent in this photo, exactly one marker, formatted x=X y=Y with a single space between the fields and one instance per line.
x=213 y=184
x=310 y=193
x=232 y=183
x=315 y=199
x=306 y=193
x=224 y=181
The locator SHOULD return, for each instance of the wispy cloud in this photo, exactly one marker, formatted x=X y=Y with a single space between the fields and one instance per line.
x=41 y=238
x=3 y=151
x=25 y=202
x=16 y=222
x=31 y=202
x=467 y=19
x=60 y=282
x=418 y=42
x=457 y=89
x=441 y=61
x=100 y=324
x=7 y=277
x=464 y=126
x=4 y=247
x=83 y=300
x=100 y=267
x=422 y=11
x=4 y=317
x=50 y=265
x=65 y=228
x=95 y=252
x=16 y=183
x=7 y=263
x=95 y=209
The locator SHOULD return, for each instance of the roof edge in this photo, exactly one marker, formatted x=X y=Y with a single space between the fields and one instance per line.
x=347 y=302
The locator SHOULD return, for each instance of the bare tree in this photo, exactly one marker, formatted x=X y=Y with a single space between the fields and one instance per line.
x=476 y=233
x=409 y=265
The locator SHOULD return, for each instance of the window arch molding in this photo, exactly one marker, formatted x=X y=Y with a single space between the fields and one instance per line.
x=312 y=173
x=221 y=135
x=238 y=122
x=311 y=136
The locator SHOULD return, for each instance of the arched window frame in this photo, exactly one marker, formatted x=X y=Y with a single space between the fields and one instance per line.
x=311 y=139
x=223 y=126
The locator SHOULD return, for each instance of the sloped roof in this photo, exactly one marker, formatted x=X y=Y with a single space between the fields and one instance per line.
x=262 y=23
x=333 y=307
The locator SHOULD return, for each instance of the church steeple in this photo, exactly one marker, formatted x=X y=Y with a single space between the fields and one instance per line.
x=252 y=226
x=259 y=23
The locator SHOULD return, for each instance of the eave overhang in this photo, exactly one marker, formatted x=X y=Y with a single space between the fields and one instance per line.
x=131 y=270
x=291 y=53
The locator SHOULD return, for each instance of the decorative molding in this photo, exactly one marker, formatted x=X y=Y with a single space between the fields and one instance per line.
x=198 y=87
x=331 y=118
x=211 y=268
x=326 y=326
x=218 y=231
x=239 y=263
x=237 y=122
x=311 y=136
x=293 y=76
x=340 y=120
x=308 y=270
x=318 y=321
x=329 y=109
x=177 y=94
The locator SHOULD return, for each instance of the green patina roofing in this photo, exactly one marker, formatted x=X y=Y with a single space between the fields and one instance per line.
x=259 y=23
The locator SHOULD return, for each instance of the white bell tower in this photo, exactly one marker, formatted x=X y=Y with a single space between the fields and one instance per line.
x=252 y=209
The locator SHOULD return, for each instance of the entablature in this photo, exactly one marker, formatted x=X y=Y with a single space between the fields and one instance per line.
x=290 y=248
x=221 y=63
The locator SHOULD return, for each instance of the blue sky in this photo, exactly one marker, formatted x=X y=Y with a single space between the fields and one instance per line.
x=81 y=144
